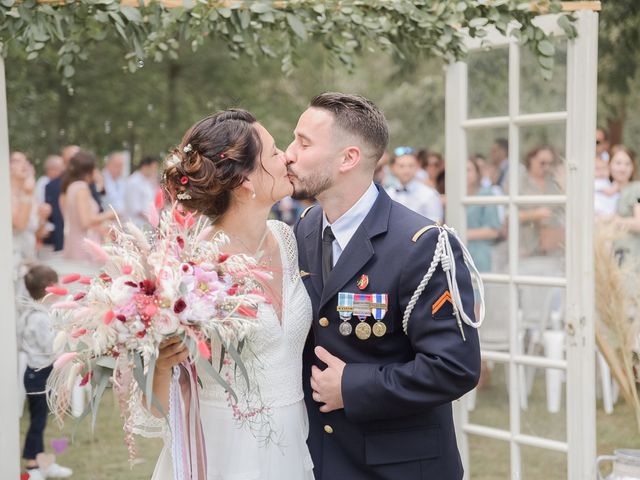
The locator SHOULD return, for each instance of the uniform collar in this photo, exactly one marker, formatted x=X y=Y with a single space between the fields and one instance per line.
x=345 y=226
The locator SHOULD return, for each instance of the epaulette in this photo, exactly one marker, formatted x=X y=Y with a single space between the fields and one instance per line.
x=306 y=210
x=422 y=231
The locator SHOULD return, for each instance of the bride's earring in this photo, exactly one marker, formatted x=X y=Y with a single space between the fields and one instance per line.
x=253 y=195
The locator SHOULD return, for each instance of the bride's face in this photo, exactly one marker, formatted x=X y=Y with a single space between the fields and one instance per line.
x=269 y=179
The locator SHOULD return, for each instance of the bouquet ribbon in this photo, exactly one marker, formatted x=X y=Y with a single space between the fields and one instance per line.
x=187 y=439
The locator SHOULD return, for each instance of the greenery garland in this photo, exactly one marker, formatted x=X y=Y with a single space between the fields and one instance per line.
x=151 y=30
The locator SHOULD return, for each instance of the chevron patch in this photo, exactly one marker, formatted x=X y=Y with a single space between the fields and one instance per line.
x=444 y=298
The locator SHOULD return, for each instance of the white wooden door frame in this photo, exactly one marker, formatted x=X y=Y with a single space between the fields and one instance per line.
x=580 y=119
x=10 y=430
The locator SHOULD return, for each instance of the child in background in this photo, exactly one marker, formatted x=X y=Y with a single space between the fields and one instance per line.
x=605 y=192
x=37 y=343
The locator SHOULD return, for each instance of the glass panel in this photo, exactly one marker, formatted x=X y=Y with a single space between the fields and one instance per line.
x=488 y=84
x=538 y=95
x=488 y=151
x=541 y=464
x=542 y=160
x=541 y=333
x=494 y=334
x=489 y=405
x=542 y=240
x=489 y=458
x=544 y=414
x=487 y=237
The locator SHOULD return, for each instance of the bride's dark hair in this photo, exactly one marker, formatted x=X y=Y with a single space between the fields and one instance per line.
x=214 y=158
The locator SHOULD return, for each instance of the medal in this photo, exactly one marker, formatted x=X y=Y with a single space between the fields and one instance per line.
x=362 y=309
x=363 y=330
x=345 y=328
x=379 y=306
x=345 y=310
x=379 y=329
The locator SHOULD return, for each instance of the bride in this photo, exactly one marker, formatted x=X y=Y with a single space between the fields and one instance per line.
x=230 y=170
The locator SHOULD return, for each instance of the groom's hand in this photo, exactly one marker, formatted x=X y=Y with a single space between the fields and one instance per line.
x=327 y=383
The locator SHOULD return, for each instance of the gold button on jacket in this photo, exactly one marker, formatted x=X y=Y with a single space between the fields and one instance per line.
x=328 y=429
x=324 y=322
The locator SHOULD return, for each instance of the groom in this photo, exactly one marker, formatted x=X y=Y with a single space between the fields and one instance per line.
x=379 y=400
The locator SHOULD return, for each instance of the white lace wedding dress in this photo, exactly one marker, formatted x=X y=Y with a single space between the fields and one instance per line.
x=234 y=450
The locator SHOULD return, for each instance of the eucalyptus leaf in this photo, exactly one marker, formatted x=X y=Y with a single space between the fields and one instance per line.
x=259 y=7
x=239 y=363
x=132 y=14
x=546 y=48
x=149 y=387
x=213 y=373
x=97 y=398
x=297 y=26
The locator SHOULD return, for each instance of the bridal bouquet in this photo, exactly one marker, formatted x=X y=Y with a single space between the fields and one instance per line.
x=173 y=280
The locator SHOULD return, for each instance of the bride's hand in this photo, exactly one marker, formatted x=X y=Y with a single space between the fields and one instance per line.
x=173 y=351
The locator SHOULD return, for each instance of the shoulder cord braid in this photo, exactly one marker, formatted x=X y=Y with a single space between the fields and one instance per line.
x=444 y=255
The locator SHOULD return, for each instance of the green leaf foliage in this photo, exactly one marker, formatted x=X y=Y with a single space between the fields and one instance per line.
x=257 y=27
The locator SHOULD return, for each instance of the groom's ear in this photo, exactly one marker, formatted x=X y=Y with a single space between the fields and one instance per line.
x=351 y=158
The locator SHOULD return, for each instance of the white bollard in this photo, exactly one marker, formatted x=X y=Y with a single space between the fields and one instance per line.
x=554 y=349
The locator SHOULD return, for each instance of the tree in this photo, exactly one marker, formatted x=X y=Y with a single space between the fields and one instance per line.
x=619 y=53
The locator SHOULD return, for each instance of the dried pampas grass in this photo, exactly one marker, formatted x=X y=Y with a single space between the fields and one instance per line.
x=618 y=312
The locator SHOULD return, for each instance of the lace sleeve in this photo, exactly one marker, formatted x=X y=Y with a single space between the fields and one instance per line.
x=143 y=422
x=289 y=247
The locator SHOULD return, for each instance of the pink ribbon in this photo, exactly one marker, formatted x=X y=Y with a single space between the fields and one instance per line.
x=187 y=438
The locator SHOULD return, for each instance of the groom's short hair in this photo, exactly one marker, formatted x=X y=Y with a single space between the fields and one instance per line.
x=357 y=116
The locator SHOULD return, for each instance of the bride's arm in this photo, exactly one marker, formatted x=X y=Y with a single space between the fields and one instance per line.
x=172 y=352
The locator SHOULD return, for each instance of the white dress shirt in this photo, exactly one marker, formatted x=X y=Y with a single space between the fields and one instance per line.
x=138 y=198
x=41 y=184
x=420 y=198
x=114 y=192
x=345 y=226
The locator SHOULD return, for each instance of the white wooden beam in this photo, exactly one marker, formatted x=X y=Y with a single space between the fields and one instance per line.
x=10 y=436
x=582 y=63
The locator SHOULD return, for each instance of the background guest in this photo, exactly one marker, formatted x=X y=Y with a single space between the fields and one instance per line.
x=52 y=197
x=483 y=222
x=541 y=228
x=36 y=341
x=411 y=192
x=81 y=212
x=114 y=182
x=140 y=191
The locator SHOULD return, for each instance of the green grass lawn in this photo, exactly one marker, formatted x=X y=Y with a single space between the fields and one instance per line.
x=103 y=455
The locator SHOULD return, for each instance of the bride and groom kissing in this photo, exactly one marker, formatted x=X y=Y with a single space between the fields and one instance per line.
x=352 y=396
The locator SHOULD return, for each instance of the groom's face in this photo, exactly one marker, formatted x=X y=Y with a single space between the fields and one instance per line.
x=312 y=156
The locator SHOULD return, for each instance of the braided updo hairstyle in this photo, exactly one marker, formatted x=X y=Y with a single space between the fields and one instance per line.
x=214 y=158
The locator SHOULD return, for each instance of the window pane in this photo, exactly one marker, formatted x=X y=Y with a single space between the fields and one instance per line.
x=488 y=83
x=541 y=240
x=489 y=459
x=488 y=154
x=542 y=160
x=489 y=405
x=541 y=464
x=538 y=95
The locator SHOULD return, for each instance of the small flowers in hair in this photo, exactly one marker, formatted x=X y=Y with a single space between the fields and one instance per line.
x=222 y=155
x=183 y=196
x=184 y=180
x=172 y=161
x=187 y=148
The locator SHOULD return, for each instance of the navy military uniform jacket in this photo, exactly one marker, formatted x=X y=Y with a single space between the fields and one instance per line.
x=397 y=419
